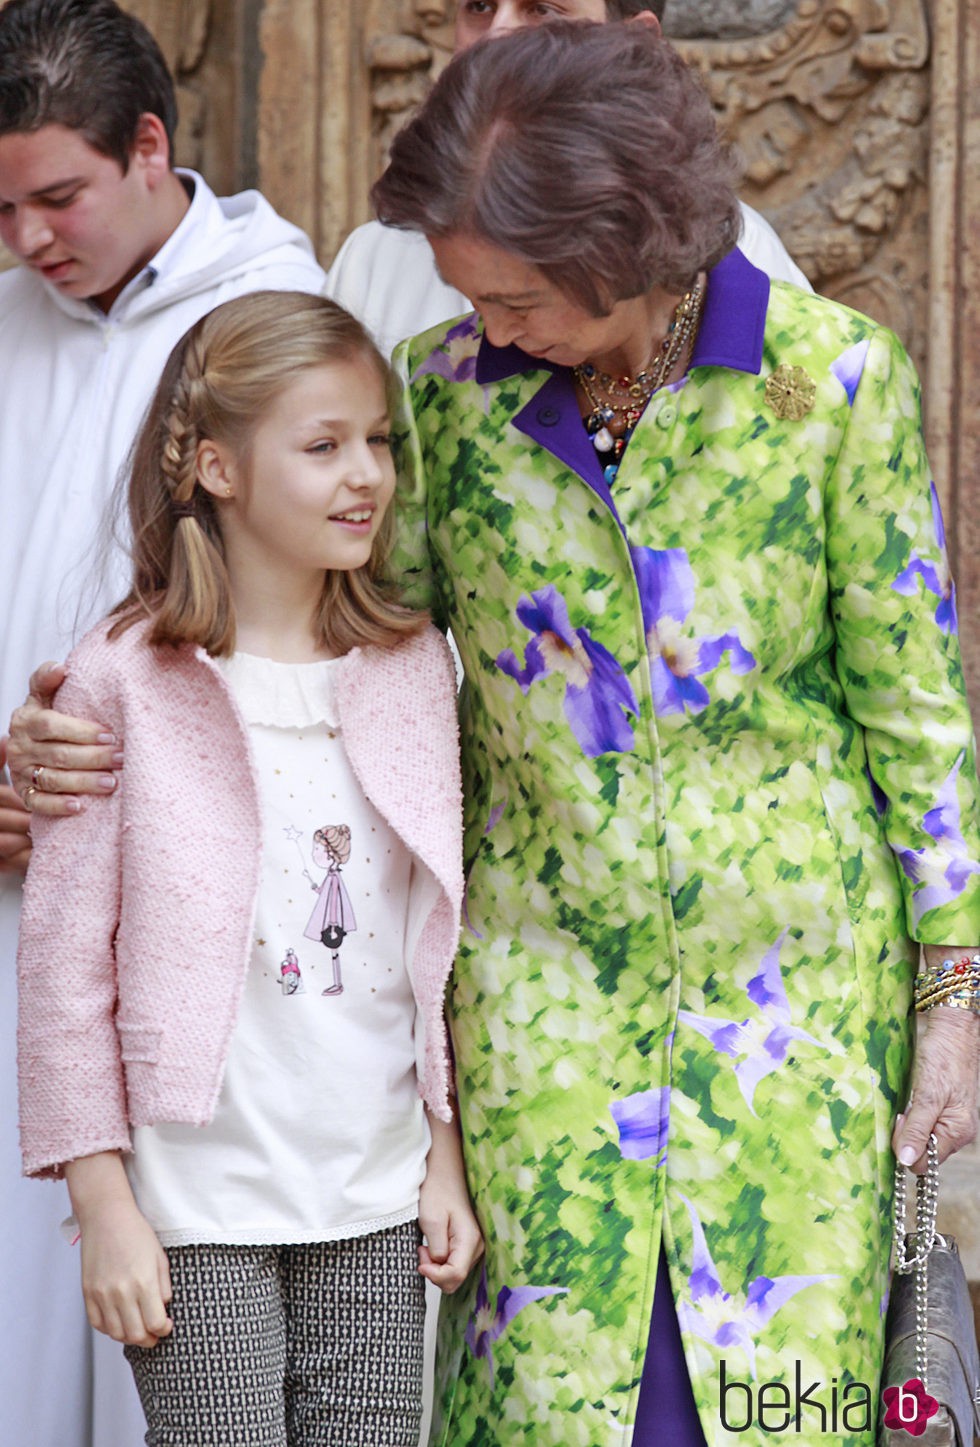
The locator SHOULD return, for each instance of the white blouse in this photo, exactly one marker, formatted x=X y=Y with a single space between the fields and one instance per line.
x=319 y=1133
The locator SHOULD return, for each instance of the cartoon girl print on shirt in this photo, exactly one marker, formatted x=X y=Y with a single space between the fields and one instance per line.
x=333 y=915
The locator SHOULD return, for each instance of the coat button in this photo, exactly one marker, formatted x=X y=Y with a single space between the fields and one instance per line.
x=667 y=415
x=549 y=416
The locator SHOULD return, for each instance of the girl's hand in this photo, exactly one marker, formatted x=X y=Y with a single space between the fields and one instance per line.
x=125 y=1274
x=125 y=1278
x=454 y=1242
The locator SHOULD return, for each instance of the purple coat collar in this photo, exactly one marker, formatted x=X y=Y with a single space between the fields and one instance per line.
x=730 y=335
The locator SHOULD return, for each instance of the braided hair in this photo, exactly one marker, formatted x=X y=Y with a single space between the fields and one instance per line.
x=217 y=383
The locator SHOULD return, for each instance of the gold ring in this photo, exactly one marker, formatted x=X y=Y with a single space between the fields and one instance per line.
x=36 y=777
x=31 y=789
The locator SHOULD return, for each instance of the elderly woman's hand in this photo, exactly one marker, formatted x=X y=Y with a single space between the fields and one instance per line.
x=944 y=1081
x=53 y=757
x=15 y=826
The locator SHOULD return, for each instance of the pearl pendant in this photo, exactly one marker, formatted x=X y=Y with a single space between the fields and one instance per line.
x=603 y=440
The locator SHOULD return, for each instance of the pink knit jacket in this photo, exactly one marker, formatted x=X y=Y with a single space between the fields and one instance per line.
x=130 y=968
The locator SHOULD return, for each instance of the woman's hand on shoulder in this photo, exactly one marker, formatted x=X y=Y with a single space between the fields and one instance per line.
x=453 y=1239
x=71 y=756
x=125 y=1272
x=15 y=826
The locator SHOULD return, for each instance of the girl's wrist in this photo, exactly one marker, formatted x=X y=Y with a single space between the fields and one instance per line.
x=444 y=1167
x=97 y=1181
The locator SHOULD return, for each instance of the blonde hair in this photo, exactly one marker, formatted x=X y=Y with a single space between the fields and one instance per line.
x=218 y=381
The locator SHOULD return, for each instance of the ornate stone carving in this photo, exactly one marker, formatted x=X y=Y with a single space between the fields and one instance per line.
x=829 y=106
x=181 y=28
x=830 y=113
x=724 y=19
x=401 y=68
x=436 y=20
x=404 y=62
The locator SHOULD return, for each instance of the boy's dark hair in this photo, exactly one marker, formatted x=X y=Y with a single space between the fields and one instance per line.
x=623 y=9
x=84 y=64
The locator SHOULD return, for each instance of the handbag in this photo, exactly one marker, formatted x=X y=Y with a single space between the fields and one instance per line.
x=929 y=1332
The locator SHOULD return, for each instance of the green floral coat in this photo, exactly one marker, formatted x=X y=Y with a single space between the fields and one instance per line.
x=719 y=770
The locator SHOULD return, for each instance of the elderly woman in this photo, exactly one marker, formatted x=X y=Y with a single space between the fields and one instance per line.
x=719 y=765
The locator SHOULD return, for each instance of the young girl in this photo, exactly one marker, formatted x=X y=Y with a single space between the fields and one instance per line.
x=247 y=1155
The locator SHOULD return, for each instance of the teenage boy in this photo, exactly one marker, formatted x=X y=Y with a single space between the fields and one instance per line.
x=388 y=278
x=119 y=254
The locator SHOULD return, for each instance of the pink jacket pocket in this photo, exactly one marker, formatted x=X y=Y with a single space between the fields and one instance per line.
x=139 y=1043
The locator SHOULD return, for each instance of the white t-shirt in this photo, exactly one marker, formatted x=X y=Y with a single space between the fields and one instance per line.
x=319 y=1133
x=388 y=278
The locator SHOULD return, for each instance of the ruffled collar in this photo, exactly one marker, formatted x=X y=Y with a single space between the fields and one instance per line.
x=285 y=695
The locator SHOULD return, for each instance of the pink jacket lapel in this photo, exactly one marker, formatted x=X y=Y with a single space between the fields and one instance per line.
x=403 y=745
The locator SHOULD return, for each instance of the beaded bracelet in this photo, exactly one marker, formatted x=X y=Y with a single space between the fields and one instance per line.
x=954 y=982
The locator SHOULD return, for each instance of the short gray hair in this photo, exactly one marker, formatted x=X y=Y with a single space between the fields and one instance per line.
x=588 y=151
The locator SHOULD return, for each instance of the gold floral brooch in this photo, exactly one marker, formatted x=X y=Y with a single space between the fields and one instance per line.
x=791 y=393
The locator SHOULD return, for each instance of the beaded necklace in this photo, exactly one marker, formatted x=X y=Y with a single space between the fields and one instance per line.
x=617 y=403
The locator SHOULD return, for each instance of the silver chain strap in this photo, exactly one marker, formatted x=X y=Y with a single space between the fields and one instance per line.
x=926 y=1202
